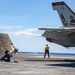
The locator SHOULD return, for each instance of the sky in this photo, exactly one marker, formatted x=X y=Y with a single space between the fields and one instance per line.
x=27 y=16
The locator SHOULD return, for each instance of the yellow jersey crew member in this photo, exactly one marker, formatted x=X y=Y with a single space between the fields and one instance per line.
x=46 y=51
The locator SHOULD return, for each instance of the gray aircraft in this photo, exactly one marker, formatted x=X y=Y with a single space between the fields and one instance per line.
x=65 y=35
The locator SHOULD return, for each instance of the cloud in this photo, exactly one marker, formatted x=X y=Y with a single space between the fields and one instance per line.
x=31 y=29
x=28 y=32
x=10 y=27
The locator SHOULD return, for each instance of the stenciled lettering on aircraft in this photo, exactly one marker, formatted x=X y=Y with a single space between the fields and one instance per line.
x=63 y=20
x=72 y=21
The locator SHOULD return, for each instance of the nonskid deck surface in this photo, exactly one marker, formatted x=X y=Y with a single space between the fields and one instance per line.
x=37 y=65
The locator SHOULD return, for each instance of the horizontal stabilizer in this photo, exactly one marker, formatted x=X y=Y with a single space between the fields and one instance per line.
x=72 y=29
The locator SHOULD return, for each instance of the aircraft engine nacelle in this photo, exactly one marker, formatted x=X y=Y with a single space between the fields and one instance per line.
x=49 y=39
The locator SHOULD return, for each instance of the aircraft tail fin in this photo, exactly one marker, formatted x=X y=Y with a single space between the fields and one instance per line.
x=66 y=15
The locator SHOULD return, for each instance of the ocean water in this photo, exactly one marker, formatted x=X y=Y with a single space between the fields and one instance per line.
x=42 y=53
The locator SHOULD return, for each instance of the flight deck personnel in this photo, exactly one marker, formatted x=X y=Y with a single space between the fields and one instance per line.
x=6 y=57
x=46 y=51
x=13 y=52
